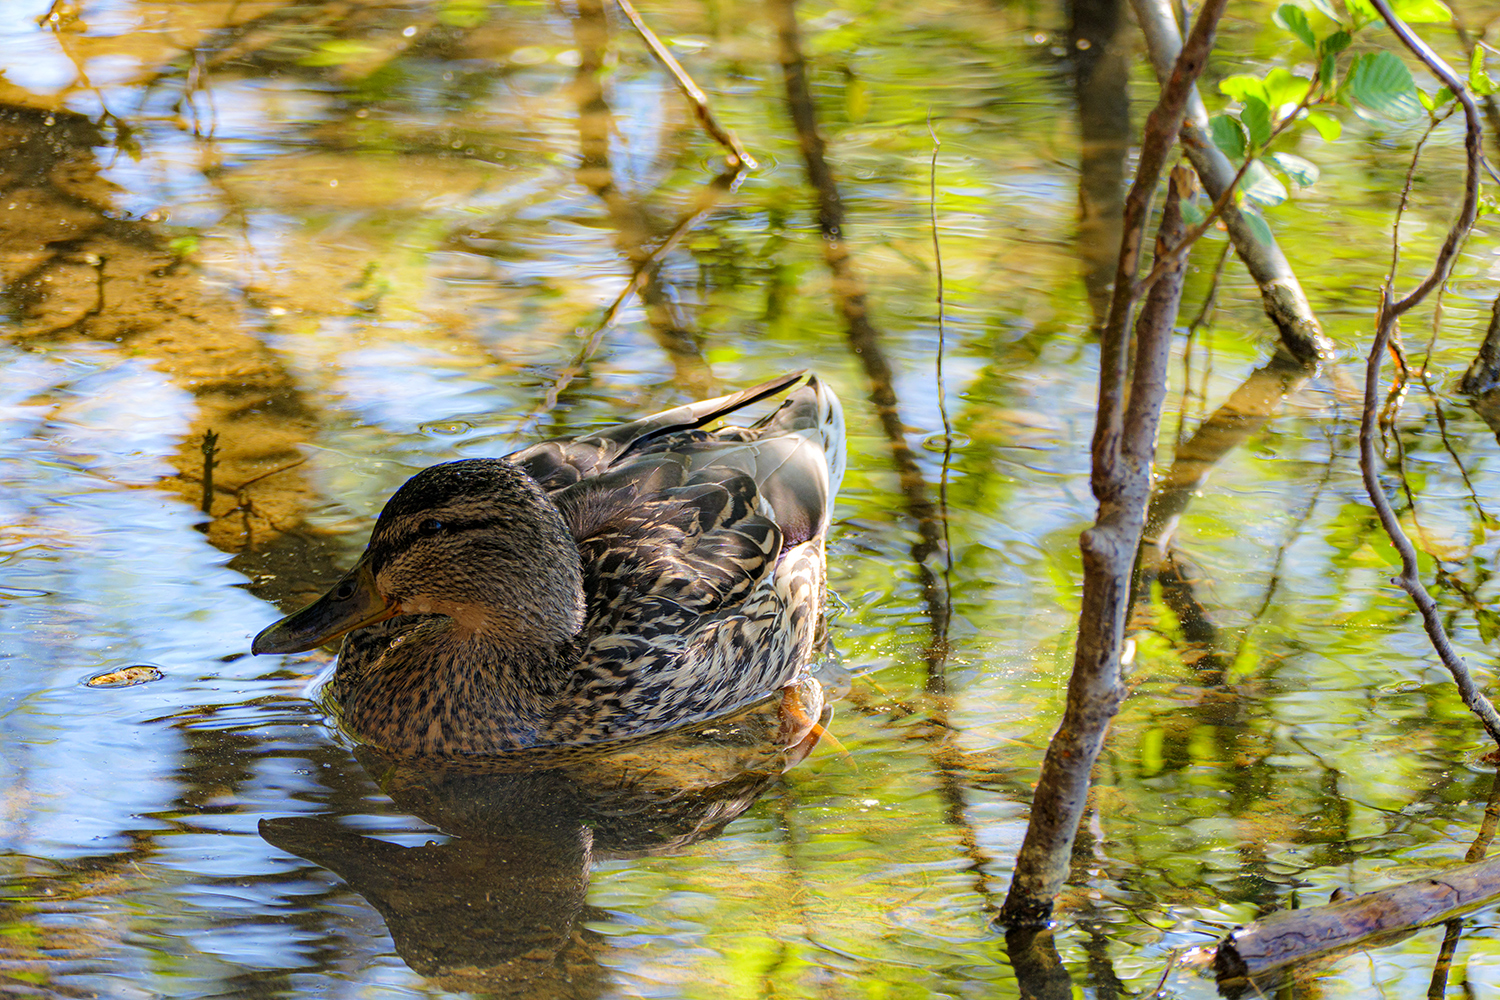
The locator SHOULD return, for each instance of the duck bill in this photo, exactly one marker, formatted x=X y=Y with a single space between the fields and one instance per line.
x=354 y=602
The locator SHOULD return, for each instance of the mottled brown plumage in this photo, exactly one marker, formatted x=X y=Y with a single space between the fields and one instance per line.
x=587 y=589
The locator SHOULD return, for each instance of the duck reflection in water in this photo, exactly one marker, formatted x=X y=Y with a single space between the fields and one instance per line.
x=499 y=910
x=626 y=581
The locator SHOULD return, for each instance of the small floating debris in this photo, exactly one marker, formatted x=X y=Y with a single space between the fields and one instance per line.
x=449 y=427
x=125 y=677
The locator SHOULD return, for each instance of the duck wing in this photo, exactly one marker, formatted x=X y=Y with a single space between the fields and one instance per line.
x=561 y=462
x=702 y=554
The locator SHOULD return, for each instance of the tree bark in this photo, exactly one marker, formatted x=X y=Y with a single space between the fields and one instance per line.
x=1290 y=936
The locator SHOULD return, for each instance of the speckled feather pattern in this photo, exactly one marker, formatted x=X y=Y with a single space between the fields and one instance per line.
x=701 y=556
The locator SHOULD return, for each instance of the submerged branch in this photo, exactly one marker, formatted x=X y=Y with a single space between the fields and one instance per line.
x=1391 y=310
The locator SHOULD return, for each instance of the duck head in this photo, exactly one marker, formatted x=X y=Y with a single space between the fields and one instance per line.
x=478 y=541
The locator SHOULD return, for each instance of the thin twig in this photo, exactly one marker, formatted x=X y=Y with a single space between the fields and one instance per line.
x=942 y=394
x=1390 y=313
x=726 y=138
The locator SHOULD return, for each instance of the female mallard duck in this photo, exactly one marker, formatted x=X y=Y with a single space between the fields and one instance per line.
x=585 y=589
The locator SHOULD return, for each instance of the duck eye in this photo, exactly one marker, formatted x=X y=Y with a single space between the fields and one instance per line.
x=345 y=591
x=431 y=526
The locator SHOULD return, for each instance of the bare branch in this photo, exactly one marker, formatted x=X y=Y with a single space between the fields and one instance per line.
x=738 y=158
x=1390 y=312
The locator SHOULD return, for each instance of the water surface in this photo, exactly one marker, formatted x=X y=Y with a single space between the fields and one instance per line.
x=353 y=240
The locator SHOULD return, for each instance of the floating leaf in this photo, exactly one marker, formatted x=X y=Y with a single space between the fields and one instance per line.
x=1329 y=127
x=1423 y=11
x=1229 y=135
x=1381 y=82
x=142 y=673
x=1294 y=19
x=1256 y=116
x=1260 y=187
x=1283 y=88
x=1243 y=86
x=1304 y=172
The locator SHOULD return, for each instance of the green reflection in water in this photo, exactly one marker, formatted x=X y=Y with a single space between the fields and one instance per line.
x=354 y=241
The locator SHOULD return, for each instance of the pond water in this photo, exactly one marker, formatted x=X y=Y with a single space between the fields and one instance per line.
x=353 y=239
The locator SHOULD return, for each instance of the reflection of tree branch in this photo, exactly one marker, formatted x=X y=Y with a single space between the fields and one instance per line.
x=1389 y=315
x=1281 y=294
x=1483 y=374
x=1040 y=973
x=1243 y=414
x=1101 y=86
x=633 y=228
x=864 y=340
x=738 y=158
x=1210 y=300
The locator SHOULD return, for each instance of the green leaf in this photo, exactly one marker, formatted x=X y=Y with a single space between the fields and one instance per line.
x=1304 y=172
x=1479 y=81
x=1242 y=87
x=1294 y=19
x=1260 y=187
x=1325 y=7
x=1335 y=43
x=1257 y=119
x=1283 y=88
x=1229 y=135
x=1329 y=127
x=1257 y=225
x=1192 y=214
x=1434 y=101
x=1381 y=82
x=1423 y=11
x=1362 y=10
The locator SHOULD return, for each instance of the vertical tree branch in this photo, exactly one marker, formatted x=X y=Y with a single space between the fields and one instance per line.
x=1121 y=482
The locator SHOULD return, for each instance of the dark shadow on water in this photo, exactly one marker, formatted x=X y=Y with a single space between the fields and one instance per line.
x=500 y=908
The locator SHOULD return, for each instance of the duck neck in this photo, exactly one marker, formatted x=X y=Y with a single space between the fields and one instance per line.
x=441 y=688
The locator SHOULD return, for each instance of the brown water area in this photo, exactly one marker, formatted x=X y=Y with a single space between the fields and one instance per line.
x=261 y=261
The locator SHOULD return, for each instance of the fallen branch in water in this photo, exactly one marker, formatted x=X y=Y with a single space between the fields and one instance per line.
x=1290 y=936
x=738 y=158
x=1391 y=311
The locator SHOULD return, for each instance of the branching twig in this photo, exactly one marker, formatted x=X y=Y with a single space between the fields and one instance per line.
x=737 y=156
x=1281 y=294
x=1391 y=311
